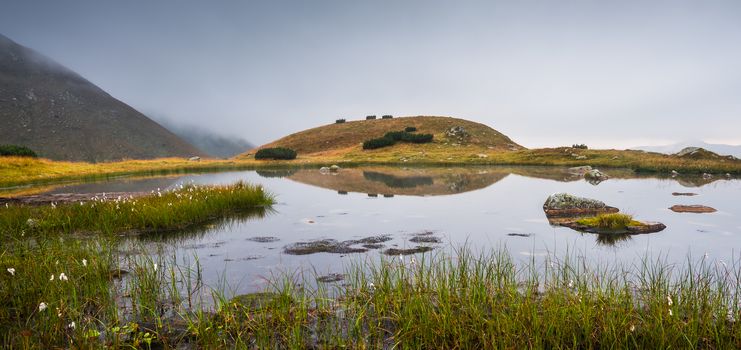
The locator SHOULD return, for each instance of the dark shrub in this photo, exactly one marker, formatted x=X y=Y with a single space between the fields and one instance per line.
x=339 y=121
x=387 y=116
x=378 y=143
x=275 y=153
x=395 y=135
x=410 y=129
x=580 y=146
x=370 y=117
x=19 y=151
x=416 y=138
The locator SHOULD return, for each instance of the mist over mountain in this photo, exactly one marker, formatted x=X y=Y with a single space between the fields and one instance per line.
x=721 y=149
x=210 y=142
x=61 y=115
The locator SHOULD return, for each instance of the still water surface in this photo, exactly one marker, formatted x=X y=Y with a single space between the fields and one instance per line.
x=480 y=206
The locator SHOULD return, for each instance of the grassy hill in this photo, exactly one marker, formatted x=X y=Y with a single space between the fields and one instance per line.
x=62 y=116
x=347 y=138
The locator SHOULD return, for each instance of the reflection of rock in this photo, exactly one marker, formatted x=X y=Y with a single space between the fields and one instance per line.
x=683 y=194
x=594 y=176
x=566 y=205
x=692 y=209
x=580 y=170
x=332 y=277
x=334 y=168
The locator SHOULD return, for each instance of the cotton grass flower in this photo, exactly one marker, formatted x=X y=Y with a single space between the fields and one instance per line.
x=11 y=271
x=63 y=277
x=51 y=278
x=42 y=306
x=669 y=300
x=671 y=313
x=71 y=325
x=84 y=262
x=632 y=328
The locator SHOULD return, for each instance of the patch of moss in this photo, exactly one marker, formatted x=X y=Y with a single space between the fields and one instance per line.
x=613 y=221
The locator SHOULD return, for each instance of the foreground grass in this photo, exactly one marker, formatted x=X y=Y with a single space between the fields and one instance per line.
x=58 y=290
x=460 y=300
x=185 y=206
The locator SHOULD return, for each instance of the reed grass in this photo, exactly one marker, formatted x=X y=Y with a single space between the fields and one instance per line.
x=463 y=300
x=182 y=207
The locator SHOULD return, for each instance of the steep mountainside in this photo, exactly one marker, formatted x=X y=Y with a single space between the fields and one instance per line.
x=62 y=116
x=349 y=136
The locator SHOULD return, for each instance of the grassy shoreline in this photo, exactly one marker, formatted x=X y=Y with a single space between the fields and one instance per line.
x=15 y=171
x=464 y=299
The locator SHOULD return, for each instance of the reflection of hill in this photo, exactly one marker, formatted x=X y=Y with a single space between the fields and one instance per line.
x=403 y=181
x=398 y=181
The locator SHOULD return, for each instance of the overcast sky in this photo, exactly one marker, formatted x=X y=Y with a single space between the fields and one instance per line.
x=546 y=73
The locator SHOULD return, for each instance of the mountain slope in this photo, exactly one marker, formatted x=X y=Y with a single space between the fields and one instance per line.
x=350 y=135
x=62 y=116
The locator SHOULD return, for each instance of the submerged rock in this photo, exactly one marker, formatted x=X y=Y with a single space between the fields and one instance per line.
x=425 y=239
x=336 y=247
x=263 y=239
x=332 y=277
x=407 y=251
x=334 y=168
x=692 y=209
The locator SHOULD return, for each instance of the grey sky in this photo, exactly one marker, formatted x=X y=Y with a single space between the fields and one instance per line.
x=547 y=73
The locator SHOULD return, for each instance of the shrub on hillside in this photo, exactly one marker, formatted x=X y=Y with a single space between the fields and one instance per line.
x=18 y=151
x=580 y=146
x=370 y=117
x=416 y=138
x=378 y=143
x=387 y=116
x=410 y=129
x=409 y=137
x=339 y=121
x=275 y=153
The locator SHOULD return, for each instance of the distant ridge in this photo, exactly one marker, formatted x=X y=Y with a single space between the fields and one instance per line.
x=62 y=116
x=720 y=149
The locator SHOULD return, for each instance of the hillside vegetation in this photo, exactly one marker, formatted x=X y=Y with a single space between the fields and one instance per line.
x=346 y=137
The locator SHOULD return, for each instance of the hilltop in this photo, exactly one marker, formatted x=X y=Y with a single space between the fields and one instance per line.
x=345 y=139
x=62 y=116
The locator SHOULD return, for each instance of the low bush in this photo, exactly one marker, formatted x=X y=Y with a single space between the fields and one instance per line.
x=18 y=151
x=409 y=137
x=339 y=121
x=370 y=117
x=378 y=143
x=416 y=138
x=580 y=146
x=410 y=129
x=387 y=116
x=275 y=153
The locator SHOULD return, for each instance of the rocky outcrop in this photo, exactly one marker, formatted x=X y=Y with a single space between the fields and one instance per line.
x=566 y=205
x=697 y=209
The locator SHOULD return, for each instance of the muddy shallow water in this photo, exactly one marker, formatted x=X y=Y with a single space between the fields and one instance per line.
x=442 y=208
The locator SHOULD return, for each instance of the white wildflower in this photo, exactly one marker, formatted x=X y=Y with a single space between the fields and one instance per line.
x=669 y=300
x=671 y=313
x=571 y=283
x=84 y=262
x=11 y=271
x=155 y=267
x=42 y=306
x=81 y=203
x=51 y=278
x=72 y=325
x=63 y=277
